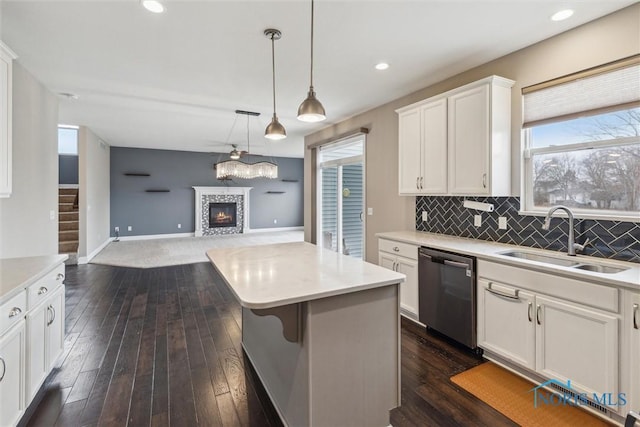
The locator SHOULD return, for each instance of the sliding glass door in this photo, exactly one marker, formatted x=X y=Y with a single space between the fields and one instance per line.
x=341 y=194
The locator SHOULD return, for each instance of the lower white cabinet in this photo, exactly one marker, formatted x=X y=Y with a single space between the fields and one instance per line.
x=403 y=258
x=631 y=327
x=531 y=322
x=12 y=369
x=45 y=339
x=506 y=322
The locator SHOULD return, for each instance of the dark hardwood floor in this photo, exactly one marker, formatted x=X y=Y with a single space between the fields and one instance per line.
x=162 y=346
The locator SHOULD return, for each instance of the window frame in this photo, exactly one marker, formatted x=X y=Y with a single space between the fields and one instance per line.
x=527 y=206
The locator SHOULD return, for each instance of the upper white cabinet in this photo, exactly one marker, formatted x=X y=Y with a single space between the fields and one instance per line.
x=6 y=66
x=423 y=149
x=458 y=142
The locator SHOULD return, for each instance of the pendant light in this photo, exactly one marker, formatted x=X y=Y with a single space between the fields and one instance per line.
x=275 y=130
x=311 y=110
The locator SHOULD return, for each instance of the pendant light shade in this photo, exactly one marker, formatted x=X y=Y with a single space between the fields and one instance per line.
x=275 y=130
x=311 y=110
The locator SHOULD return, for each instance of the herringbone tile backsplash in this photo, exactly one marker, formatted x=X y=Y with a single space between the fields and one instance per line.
x=446 y=215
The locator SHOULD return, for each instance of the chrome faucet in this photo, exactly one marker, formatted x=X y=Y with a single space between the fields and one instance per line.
x=572 y=246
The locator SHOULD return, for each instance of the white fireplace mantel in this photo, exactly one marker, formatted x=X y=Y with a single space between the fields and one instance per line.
x=207 y=191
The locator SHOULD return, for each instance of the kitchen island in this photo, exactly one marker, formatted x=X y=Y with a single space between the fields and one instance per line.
x=321 y=329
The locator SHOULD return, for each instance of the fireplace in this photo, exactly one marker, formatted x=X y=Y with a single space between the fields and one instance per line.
x=222 y=215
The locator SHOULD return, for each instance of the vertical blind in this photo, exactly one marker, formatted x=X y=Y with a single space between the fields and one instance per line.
x=607 y=88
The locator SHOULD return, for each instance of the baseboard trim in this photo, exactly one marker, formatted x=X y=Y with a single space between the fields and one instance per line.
x=268 y=230
x=87 y=259
x=154 y=236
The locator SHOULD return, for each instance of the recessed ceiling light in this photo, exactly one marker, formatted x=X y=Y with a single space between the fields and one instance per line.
x=562 y=15
x=382 y=66
x=153 y=6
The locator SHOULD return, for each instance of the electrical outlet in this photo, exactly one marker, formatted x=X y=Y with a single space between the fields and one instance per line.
x=477 y=220
x=117 y=229
x=502 y=222
x=179 y=225
x=424 y=216
x=129 y=228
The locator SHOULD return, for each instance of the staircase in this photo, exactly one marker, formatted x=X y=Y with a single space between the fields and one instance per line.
x=68 y=223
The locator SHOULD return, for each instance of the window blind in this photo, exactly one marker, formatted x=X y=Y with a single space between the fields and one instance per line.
x=608 y=88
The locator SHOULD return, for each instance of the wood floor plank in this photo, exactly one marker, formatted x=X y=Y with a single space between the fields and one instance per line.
x=162 y=347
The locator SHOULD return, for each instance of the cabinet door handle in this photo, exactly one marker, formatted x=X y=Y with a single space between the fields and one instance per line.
x=484 y=180
x=515 y=296
x=538 y=317
x=530 y=311
x=60 y=276
x=53 y=315
x=417 y=182
x=43 y=290
x=421 y=181
x=4 y=369
x=635 y=317
x=14 y=312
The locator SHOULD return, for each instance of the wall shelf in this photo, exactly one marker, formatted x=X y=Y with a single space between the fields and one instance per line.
x=157 y=190
x=136 y=174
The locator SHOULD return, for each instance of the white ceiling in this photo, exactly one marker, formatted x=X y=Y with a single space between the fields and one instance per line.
x=174 y=80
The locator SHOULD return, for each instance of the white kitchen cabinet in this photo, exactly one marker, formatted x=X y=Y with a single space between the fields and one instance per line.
x=458 y=142
x=403 y=258
x=12 y=369
x=631 y=328
x=6 y=107
x=422 y=143
x=506 y=322
x=577 y=343
x=45 y=339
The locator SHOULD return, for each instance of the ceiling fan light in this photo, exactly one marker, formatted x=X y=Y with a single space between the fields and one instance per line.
x=311 y=110
x=275 y=130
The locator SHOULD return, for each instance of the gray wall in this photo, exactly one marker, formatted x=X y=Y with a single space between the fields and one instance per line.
x=178 y=171
x=67 y=169
x=26 y=228
x=604 y=40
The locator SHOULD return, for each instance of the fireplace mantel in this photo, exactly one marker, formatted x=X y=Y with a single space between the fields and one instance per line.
x=205 y=192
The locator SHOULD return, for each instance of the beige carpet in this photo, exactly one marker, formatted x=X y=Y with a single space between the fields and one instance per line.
x=511 y=395
x=183 y=250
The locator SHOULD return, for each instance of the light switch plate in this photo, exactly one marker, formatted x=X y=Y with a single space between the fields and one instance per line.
x=369 y=211
x=52 y=215
x=477 y=220
x=424 y=216
x=502 y=222
x=129 y=228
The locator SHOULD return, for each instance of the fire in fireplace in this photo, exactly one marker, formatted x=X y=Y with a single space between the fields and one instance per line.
x=222 y=215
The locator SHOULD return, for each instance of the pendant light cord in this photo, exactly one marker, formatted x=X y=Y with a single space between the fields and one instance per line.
x=311 y=81
x=273 y=73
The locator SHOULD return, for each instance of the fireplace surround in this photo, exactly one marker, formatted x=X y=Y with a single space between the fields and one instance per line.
x=230 y=207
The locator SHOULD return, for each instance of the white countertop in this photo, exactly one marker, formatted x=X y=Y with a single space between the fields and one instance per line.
x=19 y=273
x=491 y=251
x=273 y=275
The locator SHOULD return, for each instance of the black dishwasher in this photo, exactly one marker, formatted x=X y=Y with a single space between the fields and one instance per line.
x=447 y=294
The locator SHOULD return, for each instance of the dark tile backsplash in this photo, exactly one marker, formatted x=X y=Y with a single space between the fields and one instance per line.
x=609 y=239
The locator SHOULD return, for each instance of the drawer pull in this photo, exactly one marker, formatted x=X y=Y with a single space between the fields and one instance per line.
x=43 y=290
x=60 y=276
x=396 y=249
x=514 y=296
x=14 y=312
x=4 y=369
x=635 y=316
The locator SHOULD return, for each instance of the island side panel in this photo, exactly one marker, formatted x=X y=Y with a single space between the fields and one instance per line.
x=281 y=365
x=354 y=350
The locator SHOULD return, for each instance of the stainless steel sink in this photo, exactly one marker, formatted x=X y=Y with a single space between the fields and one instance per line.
x=573 y=263
x=541 y=258
x=600 y=268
